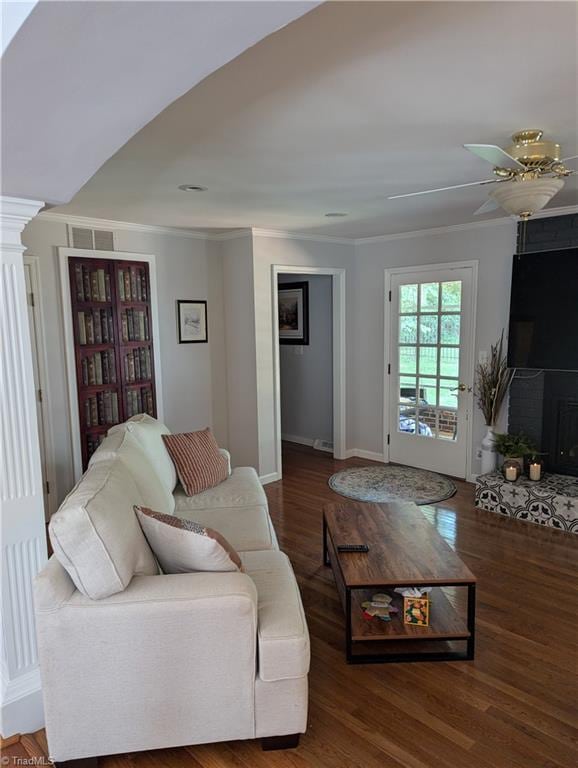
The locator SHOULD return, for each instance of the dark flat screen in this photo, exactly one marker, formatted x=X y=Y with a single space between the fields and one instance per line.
x=544 y=311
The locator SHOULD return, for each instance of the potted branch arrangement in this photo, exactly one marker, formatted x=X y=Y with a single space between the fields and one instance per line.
x=492 y=379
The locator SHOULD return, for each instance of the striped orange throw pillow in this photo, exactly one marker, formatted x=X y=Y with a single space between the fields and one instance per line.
x=197 y=460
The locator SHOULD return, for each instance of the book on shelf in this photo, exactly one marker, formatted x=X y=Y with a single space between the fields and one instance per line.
x=98 y=368
x=107 y=291
x=101 y=285
x=81 y=328
x=127 y=293
x=94 y=285
x=121 y=293
x=104 y=358
x=97 y=325
x=137 y=370
x=115 y=418
x=89 y=322
x=133 y=287
x=79 y=281
x=86 y=284
x=141 y=326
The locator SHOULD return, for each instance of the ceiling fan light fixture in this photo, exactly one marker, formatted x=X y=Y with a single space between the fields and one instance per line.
x=524 y=198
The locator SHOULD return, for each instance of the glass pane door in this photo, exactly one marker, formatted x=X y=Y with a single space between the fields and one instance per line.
x=430 y=321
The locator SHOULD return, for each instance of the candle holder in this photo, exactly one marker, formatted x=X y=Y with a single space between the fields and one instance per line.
x=511 y=470
x=535 y=467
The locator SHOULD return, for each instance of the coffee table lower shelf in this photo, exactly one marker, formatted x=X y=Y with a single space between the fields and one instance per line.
x=395 y=641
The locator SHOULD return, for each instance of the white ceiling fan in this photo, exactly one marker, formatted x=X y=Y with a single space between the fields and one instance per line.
x=529 y=173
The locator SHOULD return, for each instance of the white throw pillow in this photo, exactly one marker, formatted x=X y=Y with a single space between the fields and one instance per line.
x=182 y=546
x=96 y=536
x=148 y=433
x=124 y=446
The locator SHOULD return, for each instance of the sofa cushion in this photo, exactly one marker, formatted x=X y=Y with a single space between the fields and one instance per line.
x=95 y=534
x=282 y=630
x=197 y=460
x=246 y=528
x=124 y=445
x=148 y=433
x=184 y=546
x=241 y=489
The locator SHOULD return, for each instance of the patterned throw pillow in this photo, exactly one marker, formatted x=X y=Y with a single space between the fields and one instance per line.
x=197 y=460
x=182 y=546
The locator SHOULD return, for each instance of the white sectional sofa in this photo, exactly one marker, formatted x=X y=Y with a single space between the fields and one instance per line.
x=132 y=659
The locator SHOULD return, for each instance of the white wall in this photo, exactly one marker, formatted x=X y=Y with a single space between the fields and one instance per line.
x=192 y=374
x=268 y=250
x=492 y=245
x=229 y=383
x=306 y=372
x=241 y=374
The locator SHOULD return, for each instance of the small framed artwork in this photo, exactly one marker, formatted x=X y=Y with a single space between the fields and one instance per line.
x=192 y=322
x=293 y=313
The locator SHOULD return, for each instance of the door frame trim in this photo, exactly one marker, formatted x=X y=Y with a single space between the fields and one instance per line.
x=387 y=342
x=339 y=372
x=42 y=358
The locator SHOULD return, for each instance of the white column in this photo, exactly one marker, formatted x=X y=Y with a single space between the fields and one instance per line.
x=23 y=539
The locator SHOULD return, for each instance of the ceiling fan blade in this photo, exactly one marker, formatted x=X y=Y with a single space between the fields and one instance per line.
x=444 y=189
x=567 y=159
x=489 y=205
x=494 y=155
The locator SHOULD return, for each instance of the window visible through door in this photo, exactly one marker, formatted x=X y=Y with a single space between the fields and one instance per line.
x=429 y=358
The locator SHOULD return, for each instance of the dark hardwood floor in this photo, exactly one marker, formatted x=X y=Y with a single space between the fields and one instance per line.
x=515 y=706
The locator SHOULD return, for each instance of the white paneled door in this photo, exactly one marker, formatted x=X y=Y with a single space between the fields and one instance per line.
x=430 y=368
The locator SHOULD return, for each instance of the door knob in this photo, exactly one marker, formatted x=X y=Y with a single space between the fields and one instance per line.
x=461 y=388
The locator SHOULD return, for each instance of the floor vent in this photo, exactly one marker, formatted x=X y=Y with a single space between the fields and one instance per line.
x=323 y=445
x=91 y=239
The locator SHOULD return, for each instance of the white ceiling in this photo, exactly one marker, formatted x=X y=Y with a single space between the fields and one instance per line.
x=345 y=106
x=80 y=78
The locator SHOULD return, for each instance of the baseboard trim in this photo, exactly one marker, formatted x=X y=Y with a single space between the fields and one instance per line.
x=298 y=439
x=360 y=453
x=22 y=708
x=272 y=477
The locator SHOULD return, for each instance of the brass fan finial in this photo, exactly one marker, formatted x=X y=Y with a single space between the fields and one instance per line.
x=528 y=136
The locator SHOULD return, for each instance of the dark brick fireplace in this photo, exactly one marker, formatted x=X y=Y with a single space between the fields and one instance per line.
x=544 y=404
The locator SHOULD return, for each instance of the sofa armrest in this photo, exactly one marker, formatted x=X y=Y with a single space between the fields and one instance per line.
x=170 y=660
x=227 y=455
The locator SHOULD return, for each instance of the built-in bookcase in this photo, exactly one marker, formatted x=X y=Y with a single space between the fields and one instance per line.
x=111 y=318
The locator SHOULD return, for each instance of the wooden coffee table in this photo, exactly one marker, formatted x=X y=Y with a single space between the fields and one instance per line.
x=404 y=550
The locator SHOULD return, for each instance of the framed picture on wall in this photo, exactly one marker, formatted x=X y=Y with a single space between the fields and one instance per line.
x=192 y=322
x=293 y=313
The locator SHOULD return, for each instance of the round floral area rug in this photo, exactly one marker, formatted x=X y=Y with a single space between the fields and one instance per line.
x=392 y=483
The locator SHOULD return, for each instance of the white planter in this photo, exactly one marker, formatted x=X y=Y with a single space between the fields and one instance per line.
x=489 y=455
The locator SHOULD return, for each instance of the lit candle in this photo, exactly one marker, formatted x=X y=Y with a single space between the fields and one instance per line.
x=511 y=474
x=535 y=471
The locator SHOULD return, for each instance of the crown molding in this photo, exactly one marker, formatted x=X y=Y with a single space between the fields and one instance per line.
x=284 y=235
x=544 y=214
x=563 y=210
x=434 y=231
x=91 y=223
x=233 y=234
x=86 y=221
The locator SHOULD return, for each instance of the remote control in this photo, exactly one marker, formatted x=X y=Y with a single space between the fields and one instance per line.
x=352 y=548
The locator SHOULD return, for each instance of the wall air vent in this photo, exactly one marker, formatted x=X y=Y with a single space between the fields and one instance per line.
x=91 y=239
